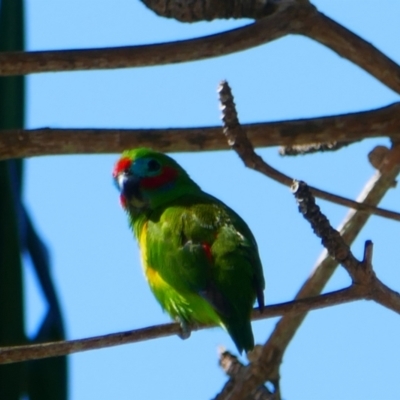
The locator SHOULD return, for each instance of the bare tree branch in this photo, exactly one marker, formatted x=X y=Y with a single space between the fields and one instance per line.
x=290 y=17
x=233 y=368
x=207 y=10
x=238 y=140
x=272 y=27
x=343 y=128
x=377 y=156
x=373 y=192
x=267 y=368
x=361 y=273
x=348 y=45
x=42 y=350
x=365 y=283
x=303 y=149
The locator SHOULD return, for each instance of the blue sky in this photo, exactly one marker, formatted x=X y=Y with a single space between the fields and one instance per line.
x=347 y=352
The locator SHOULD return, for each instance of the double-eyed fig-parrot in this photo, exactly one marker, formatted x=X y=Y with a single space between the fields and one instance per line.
x=199 y=257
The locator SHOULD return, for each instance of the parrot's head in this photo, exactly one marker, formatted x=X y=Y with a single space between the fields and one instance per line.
x=147 y=179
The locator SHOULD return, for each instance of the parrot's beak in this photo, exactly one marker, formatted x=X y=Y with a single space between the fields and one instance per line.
x=129 y=186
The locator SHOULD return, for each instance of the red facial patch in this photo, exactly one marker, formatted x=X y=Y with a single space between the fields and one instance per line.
x=122 y=165
x=168 y=174
x=123 y=201
x=207 y=249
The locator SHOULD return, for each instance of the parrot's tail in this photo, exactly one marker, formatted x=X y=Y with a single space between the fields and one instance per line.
x=241 y=334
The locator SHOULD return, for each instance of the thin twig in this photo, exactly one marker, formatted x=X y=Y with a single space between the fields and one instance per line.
x=36 y=351
x=361 y=272
x=238 y=140
x=330 y=237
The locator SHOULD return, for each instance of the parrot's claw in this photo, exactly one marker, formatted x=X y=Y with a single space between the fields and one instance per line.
x=185 y=330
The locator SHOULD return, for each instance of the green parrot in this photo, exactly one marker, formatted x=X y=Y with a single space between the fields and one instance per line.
x=199 y=257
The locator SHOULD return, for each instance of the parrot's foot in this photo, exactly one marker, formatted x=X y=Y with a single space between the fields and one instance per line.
x=185 y=330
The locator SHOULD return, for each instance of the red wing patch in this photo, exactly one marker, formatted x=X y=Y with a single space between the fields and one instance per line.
x=207 y=250
x=122 y=165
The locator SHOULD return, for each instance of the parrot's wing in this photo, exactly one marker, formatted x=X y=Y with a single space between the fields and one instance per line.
x=203 y=246
x=214 y=296
x=239 y=269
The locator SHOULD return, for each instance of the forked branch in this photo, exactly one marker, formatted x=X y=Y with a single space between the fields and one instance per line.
x=266 y=366
x=280 y=23
x=289 y=17
x=365 y=284
x=238 y=140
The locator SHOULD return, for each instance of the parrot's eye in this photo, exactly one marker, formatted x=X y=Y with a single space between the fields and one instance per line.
x=153 y=166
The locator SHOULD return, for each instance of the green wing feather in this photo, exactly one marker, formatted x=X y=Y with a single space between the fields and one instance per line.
x=208 y=260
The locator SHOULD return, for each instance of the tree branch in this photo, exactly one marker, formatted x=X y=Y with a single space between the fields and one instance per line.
x=290 y=17
x=238 y=140
x=42 y=350
x=361 y=272
x=365 y=284
x=343 y=128
x=349 y=45
x=311 y=148
x=233 y=368
x=373 y=192
x=207 y=10
x=272 y=27
x=267 y=367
